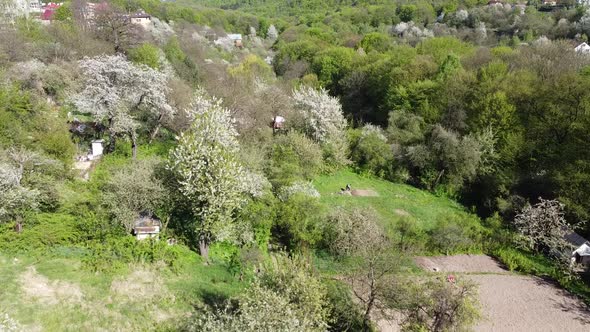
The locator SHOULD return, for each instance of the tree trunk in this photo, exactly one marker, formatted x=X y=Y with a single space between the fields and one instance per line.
x=371 y=300
x=204 y=248
x=134 y=145
x=155 y=132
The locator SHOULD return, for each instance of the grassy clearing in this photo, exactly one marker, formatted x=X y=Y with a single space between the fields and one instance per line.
x=395 y=201
x=59 y=294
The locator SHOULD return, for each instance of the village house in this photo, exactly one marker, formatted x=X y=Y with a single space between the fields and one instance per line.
x=140 y=18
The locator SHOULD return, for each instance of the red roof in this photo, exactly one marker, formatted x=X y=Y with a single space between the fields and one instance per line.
x=48 y=15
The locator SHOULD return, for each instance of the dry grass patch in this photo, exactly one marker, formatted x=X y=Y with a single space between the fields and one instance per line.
x=46 y=291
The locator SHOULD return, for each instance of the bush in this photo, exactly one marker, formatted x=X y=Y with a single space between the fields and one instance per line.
x=371 y=152
x=455 y=234
x=293 y=157
x=43 y=232
x=116 y=252
x=298 y=222
x=146 y=54
x=345 y=315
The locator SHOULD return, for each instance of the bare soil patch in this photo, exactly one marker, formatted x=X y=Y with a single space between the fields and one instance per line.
x=364 y=193
x=460 y=263
x=401 y=212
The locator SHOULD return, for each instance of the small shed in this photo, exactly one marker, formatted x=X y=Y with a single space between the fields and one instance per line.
x=147 y=227
x=278 y=122
x=236 y=38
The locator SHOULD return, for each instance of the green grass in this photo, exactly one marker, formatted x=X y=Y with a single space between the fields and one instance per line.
x=173 y=295
x=393 y=202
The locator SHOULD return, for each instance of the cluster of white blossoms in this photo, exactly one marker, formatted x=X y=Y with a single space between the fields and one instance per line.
x=298 y=187
x=9 y=324
x=370 y=130
x=322 y=112
x=115 y=87
x=206 y=164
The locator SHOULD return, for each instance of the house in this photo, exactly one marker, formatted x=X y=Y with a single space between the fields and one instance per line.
x=549 y=2
x=146 y=226
x=583 y=48
x=140 y=18
x=236 y=38
x=48 y=12
x=581 y=252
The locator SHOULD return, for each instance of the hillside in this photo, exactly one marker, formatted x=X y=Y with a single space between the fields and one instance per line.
x=278 y=165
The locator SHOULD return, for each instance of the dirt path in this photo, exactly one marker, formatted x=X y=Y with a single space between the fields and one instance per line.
x=512 y=302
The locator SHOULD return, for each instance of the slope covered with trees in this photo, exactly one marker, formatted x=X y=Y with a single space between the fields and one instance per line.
x=295 y=156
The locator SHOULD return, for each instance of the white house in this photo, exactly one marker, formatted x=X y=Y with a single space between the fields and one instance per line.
x=581 y=252
x=97 y=149
x=140 y=18
x=583 y=48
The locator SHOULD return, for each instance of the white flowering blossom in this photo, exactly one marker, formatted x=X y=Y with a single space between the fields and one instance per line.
x=272 y=33
x=160 y=30
x=372 y=130
x=461 y=15
x=325 y=122
x=116 y=91
x=256 y=184
x=9 y=324
x=207 y=169
x=410 y=30
x=298 y=187
x=322 y=112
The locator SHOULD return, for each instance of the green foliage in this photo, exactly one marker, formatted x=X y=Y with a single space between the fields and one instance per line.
x=406 y=12
x=117 y=252
x=298 y=225
x=43 y=233
x=293 y=157
x=371 y=152
x=450 y=235
x=375 y=41
x=146 y=54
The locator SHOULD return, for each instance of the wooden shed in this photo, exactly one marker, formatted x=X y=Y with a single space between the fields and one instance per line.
x=147 y=227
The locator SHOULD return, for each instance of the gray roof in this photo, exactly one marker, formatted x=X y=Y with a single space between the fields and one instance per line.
x=574 y=238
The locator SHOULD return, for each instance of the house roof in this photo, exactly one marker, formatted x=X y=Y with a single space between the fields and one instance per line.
x=147 y=221
x=574 y=238
x=47 y=15
x=234 y=36
x=140 y=15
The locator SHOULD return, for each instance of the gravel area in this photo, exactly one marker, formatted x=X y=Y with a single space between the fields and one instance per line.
x=522 y=303
x=512 y=302
x=460 y=263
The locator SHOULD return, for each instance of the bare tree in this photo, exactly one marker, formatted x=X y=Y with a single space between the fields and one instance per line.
x=114 y=26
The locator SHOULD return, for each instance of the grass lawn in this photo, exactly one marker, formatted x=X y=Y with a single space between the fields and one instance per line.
x=395 y=201
x=59 y=294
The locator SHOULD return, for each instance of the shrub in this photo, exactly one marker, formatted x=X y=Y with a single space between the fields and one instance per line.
x=116 y=252
x=455 y=234
x=371 y=152
x=293 y=157
x=298 y=222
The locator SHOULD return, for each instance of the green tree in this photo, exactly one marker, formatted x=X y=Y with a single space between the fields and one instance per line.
x=146 y=54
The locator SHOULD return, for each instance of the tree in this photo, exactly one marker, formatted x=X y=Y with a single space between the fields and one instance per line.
x=371 y=152
x=146 y=54
x=325 y=122
x=284 y=297
x=118 y=92
x=134 y=190
x=17 y=198
x=442 y=304
x=115 y=26
x=543 y=226
x=208 y=172
x=357 y=235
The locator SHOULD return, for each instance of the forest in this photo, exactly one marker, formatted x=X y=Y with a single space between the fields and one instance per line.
x=289 y=165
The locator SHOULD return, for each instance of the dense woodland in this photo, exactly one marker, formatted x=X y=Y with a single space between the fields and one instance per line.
x=474 y=118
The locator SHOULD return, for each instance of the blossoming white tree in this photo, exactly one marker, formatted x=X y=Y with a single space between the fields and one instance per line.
x=324 y=120
x=208 y=171
x=117 y=92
